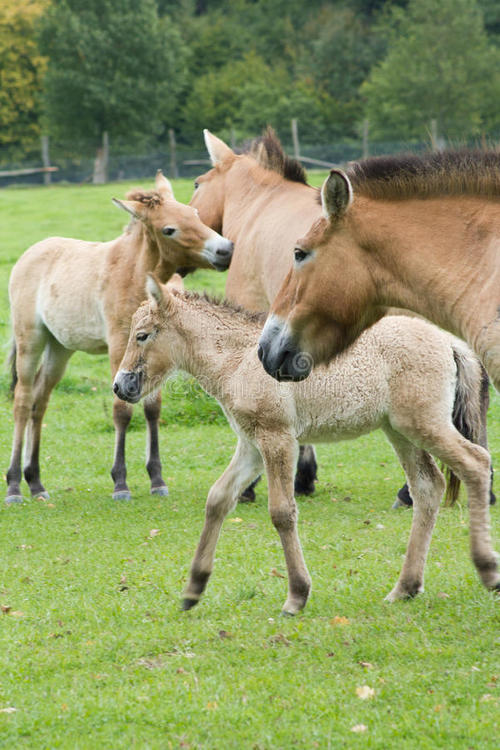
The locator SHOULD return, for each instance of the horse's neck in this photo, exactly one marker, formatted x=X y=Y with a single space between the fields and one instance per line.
x=425 y=263
x=211 y=344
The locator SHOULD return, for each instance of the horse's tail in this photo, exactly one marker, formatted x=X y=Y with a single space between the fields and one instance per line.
x=12 y=360
x=470 y=407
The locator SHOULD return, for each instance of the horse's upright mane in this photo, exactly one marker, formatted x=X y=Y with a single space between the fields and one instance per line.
x=470 y=172
x=268 y=152
x=150 y=199
x=223 y=305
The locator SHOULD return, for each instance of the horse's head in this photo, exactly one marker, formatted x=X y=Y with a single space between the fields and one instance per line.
x=328 y=296
x=183 y=240
x=210 y=188
x=147 y=360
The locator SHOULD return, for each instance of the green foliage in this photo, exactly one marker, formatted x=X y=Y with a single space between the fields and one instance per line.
x=113 y=66
x=439 y=65
x=21 y=68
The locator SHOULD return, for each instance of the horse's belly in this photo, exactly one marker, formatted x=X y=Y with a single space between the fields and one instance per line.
x=77 y=322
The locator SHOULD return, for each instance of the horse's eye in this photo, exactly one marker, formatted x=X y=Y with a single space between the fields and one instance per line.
x=196 y=185
x=299 y=255
x=168 y=231
x=142 y=336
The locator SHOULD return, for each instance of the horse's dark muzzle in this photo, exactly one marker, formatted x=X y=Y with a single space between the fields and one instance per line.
x=280 y=357
x=128 y=386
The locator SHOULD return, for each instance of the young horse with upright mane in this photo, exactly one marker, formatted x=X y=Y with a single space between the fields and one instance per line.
x=418 y=232
x=68 y=295
x=403 y=376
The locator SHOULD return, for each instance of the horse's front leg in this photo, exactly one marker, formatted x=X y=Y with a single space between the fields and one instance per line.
x=152 y=410
x=245 y=465
x=279 y=453
x=122 y=414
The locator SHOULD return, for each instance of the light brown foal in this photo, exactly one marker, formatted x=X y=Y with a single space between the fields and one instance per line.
x=418 y=384
x=70 y=295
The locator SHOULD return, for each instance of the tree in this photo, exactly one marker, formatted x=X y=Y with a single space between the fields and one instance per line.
x=21 y=67
x=114 y=66
x=439 y=66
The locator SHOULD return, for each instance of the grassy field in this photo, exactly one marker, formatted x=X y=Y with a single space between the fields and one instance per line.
x=94 y=650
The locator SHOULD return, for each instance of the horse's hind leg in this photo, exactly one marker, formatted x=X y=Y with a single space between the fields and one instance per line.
x=28 y=351
x=245 y=465
x=54 y=363
x=152 y=410
x=427 y=485
x=471 y=464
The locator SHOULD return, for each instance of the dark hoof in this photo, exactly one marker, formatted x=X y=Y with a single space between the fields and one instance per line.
x=493 y=498
x=14 y=499
x=284 y=613
x=122 y=495
x=303 y=487
x=248 y=496
x=496 y=588
x=161 y=491
x=188 y=604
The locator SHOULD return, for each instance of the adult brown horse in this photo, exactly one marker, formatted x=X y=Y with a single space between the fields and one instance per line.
x=68 y=295
x=262 y=202
x=421 y=233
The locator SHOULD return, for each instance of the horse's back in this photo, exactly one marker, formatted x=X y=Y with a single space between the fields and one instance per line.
x=399 y=367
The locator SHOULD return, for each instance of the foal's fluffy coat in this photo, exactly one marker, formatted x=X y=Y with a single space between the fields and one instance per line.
x=403 y=375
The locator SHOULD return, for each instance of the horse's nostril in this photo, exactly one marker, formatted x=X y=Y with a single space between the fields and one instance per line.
x=115 y=388
x=223 y=252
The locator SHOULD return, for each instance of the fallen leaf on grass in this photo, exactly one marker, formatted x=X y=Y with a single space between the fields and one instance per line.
x=365 y=664
x=443 y=595
x=280 y=638
x=212 y=706
x=340 y=620
x=365 y=692
x=5 y=608
x=359 y=728
x=224 y=634
x=274 y=572
x=8 y=710
x=487 y=697
x=235 y=520
x=153 y=533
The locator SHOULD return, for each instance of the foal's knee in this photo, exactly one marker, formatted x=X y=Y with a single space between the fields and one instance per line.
x=284 y=518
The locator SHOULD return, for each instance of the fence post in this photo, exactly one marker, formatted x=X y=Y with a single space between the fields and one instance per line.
x=101 y=161
x=295 y=138
x=174 y=172
x=46 y=158
x=437 y=142
x=366 y=130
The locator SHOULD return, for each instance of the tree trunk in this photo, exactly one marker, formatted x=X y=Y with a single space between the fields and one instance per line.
x=101 y=161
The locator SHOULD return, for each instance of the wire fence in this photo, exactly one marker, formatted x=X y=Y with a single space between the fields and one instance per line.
x=67 y=163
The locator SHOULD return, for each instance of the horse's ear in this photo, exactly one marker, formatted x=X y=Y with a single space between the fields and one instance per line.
x=154 y=292
x=336 y=194
x=217 y=149
x=128 y=206
x=164 y=186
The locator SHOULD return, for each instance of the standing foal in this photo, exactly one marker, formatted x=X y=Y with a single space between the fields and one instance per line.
x=69 y=295
x=408 y=378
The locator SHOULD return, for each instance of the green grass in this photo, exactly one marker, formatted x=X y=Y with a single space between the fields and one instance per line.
x=94 y=649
